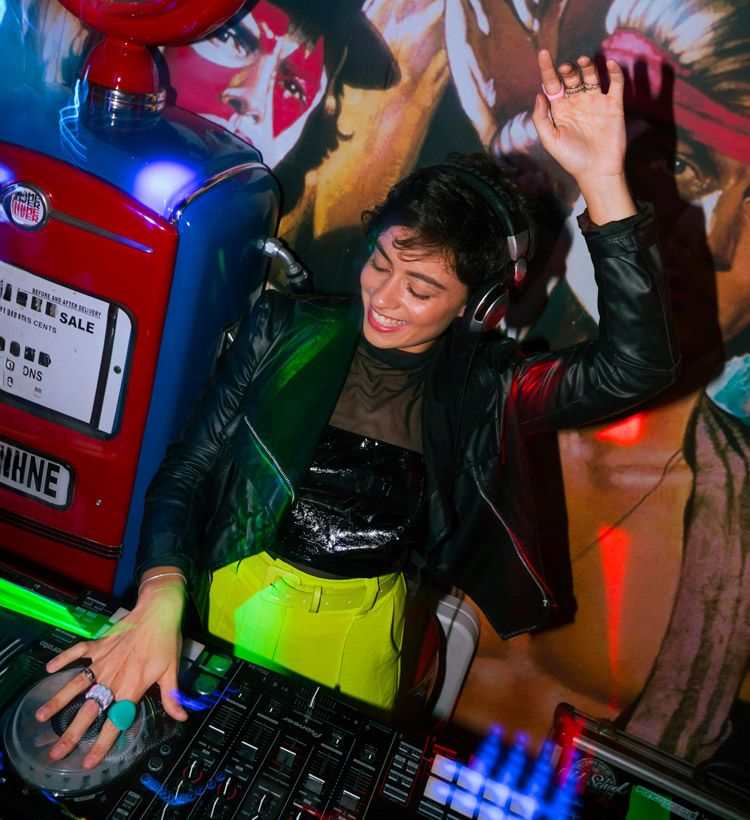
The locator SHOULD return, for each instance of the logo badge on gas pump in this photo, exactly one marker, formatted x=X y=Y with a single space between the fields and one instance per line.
x=26 y=206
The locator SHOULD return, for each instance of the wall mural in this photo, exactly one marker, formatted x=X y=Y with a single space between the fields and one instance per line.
x=343 y=98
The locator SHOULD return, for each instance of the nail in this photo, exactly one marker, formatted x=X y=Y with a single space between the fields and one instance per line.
x=89 y=762
x=42 y=714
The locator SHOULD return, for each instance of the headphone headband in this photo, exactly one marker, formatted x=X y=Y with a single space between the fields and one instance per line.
x=485 y=309
x=505 y=209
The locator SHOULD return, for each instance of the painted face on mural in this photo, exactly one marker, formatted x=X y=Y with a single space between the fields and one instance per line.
x=702 y=202
x=257 y=76
x=410 y=296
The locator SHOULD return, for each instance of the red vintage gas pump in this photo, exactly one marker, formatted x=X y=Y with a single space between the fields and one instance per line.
x=128 y=242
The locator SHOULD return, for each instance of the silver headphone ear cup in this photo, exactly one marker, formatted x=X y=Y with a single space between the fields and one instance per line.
x=486 y=308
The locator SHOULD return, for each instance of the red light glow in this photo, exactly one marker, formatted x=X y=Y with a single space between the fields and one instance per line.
x=626 y=433
x=613 y=545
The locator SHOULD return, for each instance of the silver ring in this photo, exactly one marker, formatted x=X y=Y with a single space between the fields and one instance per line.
x=576 y=89
x=101 y=695
x=89 y=673
x=592 y=86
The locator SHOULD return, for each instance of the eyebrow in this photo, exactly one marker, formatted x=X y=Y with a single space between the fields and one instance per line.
x=416 y=274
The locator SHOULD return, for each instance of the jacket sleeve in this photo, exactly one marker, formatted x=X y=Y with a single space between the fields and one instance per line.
x=635 y=355
x=176 y=500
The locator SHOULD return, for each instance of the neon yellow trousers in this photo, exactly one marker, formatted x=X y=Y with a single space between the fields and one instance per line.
x=343 y=633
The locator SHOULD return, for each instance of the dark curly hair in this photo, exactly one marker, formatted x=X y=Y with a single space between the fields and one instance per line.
x=449 y=216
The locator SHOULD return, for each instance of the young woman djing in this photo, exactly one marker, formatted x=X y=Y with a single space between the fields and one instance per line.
x=338 y=440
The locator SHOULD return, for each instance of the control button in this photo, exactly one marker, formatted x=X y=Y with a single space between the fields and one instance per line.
x=464 y=803
x=218 y=663
x=349 y=801
x=490 y=812
x=285 y=757
x=205 y=684
x=247 y=751
x=165 y=749
x=155 y=764
x=314 y=784
x=445 y=767
x=438 y=790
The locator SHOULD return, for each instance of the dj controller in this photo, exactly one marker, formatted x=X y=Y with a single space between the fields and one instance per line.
x=261 y=745
x=256 y=744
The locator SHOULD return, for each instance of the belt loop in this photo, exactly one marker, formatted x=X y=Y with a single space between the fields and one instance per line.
x=315 y=601
x=372 y=591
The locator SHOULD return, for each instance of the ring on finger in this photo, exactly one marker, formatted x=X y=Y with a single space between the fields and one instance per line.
x=576 y=89
x=122 y=714
x=89 y=673
x=592 y=86
x=101 y=695
x=558 y=95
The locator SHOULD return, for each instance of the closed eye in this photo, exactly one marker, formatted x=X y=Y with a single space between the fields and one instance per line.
x=412 y=292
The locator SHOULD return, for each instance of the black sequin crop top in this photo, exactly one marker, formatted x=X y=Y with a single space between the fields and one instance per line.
x=360 y=507
x=358 y=511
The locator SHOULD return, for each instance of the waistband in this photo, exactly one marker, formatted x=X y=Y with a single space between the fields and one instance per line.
x=292 y=587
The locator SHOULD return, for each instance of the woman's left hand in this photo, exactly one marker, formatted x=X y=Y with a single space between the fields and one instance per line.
x=584 y=130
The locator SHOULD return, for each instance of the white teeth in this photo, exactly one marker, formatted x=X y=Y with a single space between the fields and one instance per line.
x=385 y=320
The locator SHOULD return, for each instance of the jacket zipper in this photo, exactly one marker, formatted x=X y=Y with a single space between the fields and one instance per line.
x=516 y=546
x=270 y=457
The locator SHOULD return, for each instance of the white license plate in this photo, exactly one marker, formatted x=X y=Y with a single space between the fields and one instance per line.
x=35 y=475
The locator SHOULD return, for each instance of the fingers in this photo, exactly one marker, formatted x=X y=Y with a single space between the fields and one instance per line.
x=74 y=687
x=85 y=716
x=616 y=80
x=104 y=742
x=583 y=75
x=72 y=653
x=168 y=689
x=540 y=117
x=589 y=74
x=570 y=76
x=550 y=79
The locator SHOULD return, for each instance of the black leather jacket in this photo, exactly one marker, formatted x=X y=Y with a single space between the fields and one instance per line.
x=223 y=488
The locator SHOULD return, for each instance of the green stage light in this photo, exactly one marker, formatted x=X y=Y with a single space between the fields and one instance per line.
x=72 y=618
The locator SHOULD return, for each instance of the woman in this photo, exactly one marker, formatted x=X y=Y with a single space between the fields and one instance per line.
x=253 y=463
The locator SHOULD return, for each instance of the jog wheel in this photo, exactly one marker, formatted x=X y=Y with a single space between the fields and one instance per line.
x=27 y=742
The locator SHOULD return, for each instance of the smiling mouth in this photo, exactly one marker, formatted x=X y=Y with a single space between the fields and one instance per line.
x=383 y=323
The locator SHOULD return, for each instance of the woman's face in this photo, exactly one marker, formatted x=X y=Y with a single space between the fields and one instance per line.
x=410 y=296
x=254 y=76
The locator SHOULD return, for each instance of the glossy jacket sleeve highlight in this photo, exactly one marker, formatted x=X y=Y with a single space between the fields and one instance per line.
x=636 y=353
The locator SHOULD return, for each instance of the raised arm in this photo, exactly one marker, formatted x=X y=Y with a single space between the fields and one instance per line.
x=635 y=354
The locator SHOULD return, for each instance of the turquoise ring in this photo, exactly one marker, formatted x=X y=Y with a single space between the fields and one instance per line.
x=122 y=714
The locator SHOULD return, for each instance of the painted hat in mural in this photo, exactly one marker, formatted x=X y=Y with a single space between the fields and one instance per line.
x=352 y=43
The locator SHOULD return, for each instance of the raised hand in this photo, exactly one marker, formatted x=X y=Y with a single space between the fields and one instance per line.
x=583 y=129
x=137 y=652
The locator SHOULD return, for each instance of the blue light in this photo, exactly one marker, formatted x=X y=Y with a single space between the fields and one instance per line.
x=6 y=175
x=502 y=781
x=68 y=121
x=161 y=185
x=200 y=704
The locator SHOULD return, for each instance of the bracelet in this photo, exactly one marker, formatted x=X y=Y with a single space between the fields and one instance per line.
x=161 y=575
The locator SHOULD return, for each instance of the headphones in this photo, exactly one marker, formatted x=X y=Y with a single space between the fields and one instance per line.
x=487 y=306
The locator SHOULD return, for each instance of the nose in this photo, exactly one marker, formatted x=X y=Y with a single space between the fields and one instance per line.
x=385 y=292
x=250 y=91
x=243 y=104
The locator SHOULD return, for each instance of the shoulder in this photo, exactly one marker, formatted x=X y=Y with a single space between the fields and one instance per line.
x=279 y=308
